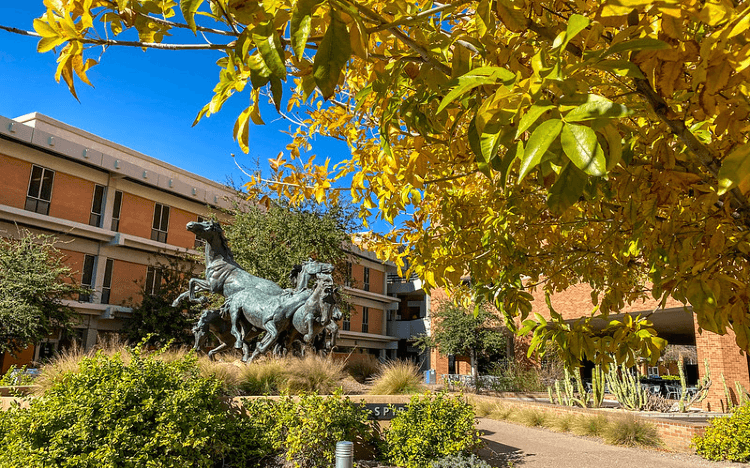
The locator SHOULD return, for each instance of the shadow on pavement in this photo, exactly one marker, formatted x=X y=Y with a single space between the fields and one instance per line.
x=500 y=455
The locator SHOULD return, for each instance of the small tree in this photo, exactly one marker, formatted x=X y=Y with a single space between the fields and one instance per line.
x=459 y=331
x=33 y=282
x=269 y=242
x=154 y=319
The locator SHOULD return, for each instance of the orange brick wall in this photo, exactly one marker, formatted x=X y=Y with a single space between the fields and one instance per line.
x=127 y=278
x=75 y=261
x=71 y=198
x=178 y=235
x=376 y=281
x=136 y=215
x=376 y=321
x=724 y=357
x=22 y=358
x=16 y=175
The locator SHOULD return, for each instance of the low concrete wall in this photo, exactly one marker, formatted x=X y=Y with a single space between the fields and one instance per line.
x=674 y=432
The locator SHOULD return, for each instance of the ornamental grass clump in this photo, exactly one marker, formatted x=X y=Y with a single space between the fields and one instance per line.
x=532 y=418
x=632 y=432
x=313 y=373
x=264 y=377
x=592 y=426
x=397 y=378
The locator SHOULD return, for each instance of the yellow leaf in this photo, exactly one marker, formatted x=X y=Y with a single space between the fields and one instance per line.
x=715 y=12
x=511 y=16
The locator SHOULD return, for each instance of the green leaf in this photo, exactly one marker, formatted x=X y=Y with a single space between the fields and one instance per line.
x=580 y=145
x=333 y=53
x=735 y=168
x=299 y=27
x=567 y=189
x=540 y=140
x=189 y=8
x=264 y=36
x=620 y=68
x=472 y=79
x=597 y=107
x=576 y=24
x=503 y=165
x=531 y=117
x=644 y=43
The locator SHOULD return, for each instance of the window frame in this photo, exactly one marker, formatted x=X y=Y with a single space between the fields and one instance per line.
x=366 y=279
x=96 y=218
x=38 y=203
x=88 y=270
x=159 y=233
x=107 y=282
x=346 y=324
x=116 y=211
x=365 y=319
x=152 y=286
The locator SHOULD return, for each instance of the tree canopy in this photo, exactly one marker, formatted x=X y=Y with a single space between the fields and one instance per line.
x=34 y=280
x=458 y=331
x=530 y=143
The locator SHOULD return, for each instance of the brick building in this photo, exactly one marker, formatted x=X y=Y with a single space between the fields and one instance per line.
x=116 y=213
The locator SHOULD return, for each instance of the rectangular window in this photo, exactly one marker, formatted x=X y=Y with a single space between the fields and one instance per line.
x=40 y=190
x=366 y=280
x=97 y=206
x=365 y=319
x=87 y=277
x=346 y=324
x=349 y=274
x=153 y=281
x=161 y=223
x=117 y=206
x=107 y=284
x=199 y=242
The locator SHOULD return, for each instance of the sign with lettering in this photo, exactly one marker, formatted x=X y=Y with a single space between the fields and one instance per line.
x=384 y=411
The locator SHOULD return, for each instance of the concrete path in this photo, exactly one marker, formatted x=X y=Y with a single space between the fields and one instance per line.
x=513 y=445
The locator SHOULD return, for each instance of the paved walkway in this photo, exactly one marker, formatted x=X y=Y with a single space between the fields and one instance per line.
x=513 y=445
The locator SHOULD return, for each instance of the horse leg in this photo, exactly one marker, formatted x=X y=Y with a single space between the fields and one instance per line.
x=216 y=350
x=234 y=315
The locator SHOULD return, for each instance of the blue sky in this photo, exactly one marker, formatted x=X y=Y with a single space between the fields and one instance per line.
x=146 y=101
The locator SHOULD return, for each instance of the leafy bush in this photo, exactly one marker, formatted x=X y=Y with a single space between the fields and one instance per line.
x=16 y=376
x=431 y=427
x=632 y=432
x=460 y=461
x=110 y=413
x=727 y=438
x=397 y=378
x=308 y=427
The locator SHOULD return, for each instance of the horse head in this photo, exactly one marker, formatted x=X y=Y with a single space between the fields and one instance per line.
x=205 y=230
x=313 y=267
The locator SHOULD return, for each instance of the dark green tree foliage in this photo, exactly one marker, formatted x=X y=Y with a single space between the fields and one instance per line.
x=269 y=242
x=153 y=318
x=130 y=411
x=460 y=332
x=33 y=281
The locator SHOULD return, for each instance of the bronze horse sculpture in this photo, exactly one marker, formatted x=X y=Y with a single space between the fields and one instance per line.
x=252 y=303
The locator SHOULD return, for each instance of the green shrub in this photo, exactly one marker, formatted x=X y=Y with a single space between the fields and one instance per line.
x=632 y=432
x=431 y=427
x=308 y=427
x=727 y=438
x=397 y=378
x=16 y=376
x=146 y=413
x=460 y=461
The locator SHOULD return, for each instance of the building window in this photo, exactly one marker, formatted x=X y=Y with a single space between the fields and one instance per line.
x=365 y=319
x=97 y=206
x=116 y=211
x=346 y=324
x=349 y=274
x=199 y=242
x=40 y=190
x=161 y=223
x=153 y=281
x=87 y=277
x=107 y=284
x=366 y=280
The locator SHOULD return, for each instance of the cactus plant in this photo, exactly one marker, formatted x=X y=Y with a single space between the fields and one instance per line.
x=702 y=391
x=566 y=395
x=597 y=386
x=627 y=389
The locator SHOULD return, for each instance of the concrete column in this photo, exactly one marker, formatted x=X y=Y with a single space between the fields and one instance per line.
x=724 y=358
x=89 y=336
